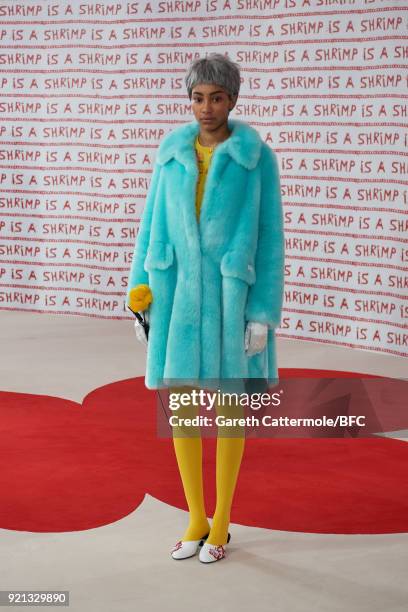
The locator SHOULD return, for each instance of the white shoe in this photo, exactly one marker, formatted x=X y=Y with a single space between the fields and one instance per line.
x=187 y=548
x=210 y=553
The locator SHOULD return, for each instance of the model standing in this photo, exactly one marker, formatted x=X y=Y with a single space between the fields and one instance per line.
x=209 y=260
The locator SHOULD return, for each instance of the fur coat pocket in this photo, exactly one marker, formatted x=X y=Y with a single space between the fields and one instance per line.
x=159 y=256
x=239 y=265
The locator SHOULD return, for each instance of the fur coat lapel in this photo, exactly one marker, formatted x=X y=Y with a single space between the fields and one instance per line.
x=243 y=145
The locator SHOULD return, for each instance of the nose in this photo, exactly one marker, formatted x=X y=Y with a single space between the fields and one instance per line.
x=207 y=106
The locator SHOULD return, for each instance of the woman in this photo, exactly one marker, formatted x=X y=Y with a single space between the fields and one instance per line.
x=210 y=254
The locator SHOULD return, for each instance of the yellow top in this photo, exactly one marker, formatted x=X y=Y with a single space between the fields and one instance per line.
x=203 y=159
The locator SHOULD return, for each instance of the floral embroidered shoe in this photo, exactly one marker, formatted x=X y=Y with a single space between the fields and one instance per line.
x=210 y=553
x=187 y=548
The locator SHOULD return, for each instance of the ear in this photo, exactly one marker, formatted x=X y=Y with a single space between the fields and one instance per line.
x=233 y=99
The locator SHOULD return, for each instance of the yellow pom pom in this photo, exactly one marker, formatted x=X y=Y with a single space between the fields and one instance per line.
x=140 y=297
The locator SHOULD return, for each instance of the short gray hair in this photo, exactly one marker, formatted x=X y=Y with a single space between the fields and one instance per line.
x=215 y=69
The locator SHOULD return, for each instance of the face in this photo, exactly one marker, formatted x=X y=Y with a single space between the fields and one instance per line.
x=211 y=102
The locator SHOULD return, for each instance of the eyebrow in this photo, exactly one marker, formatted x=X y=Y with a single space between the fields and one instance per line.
x=211 y=94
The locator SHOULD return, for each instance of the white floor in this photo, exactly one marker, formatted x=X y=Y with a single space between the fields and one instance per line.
x=126 y=566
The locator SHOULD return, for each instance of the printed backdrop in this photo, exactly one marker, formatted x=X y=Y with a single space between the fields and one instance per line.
x=88 y=90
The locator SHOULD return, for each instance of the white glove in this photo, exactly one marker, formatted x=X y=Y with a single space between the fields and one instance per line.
x=256 y=336
x=139 y=329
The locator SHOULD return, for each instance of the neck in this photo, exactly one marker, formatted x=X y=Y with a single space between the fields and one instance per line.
x=210 y=138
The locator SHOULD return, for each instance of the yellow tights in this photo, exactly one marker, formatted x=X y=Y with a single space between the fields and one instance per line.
x=189 y=453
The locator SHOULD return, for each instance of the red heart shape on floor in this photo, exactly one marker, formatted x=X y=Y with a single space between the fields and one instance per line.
x=67 y=467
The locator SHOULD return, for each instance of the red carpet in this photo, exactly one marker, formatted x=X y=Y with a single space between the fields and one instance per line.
x=67 y=467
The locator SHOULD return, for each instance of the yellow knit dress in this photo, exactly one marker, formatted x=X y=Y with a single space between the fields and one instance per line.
x=204 y=155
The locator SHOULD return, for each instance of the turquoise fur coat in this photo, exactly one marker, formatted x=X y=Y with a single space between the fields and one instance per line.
x=208 y=279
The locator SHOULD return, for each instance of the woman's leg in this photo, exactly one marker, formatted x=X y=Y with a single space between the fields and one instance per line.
x=230 y=449
x=188 y=448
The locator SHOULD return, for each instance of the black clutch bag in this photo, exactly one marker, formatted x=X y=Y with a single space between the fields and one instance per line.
x=142 y=320
x=256 y=385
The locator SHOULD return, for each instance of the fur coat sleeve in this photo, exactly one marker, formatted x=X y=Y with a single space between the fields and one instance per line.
x=138 y=274
x=265 y=296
